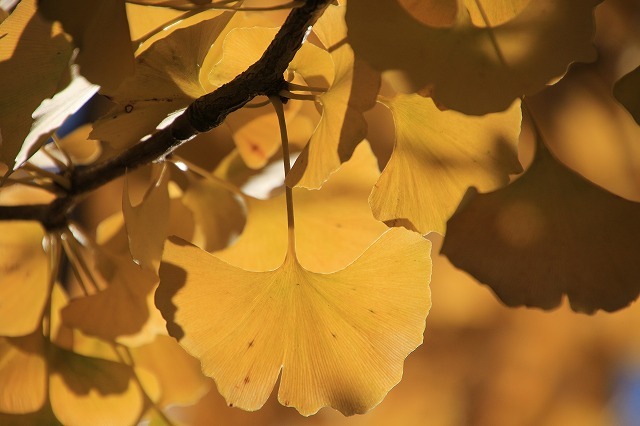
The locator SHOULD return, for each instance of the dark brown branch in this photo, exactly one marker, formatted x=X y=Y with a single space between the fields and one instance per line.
x=265 y=77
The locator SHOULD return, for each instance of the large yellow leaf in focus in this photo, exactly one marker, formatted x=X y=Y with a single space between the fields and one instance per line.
x=437 y=156
x=23 y=374
x=24 y=277
x=459 y=66
x=352 y=91
x=100 y=30
x=340 y=339
x=335 y=221
x=167 y=78
x=34 y=64
x=548 y=234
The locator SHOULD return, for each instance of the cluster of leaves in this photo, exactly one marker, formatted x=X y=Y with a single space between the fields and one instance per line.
x=319 y=276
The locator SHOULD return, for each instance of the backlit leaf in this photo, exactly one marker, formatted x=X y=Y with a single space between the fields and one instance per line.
x=340 y=339
x=100 y=29
x=86 y=390
x=352 y=91
x=24 y=277
x=335 y=221
x=167 y=78
x=23 y=374
x=548 y=234
x=147 y=223
x=459 y=66
x=29 y=44
x=437 y=156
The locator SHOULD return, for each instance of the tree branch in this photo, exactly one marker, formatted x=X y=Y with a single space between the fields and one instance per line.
x=265 y=77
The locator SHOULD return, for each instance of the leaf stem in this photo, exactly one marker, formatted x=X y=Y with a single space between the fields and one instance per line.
x=286 y=160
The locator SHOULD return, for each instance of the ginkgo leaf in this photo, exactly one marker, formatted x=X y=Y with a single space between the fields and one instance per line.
x=147 y=224
x=86 y=390
x=627 y=92
x=121 y=309
x=335 y=221
x=437 y=156
x=435 y=13
x=352 y=91
x=459 y=66
x=23 y=374
x=78 y=146
x=183 y=383
x=548 y=234
x=218 y=213
x=167 y=78
x=340 y=339
x=101 y=31
x=496 y=12
x=29 y=45
x=255 y=131
x=24 y=277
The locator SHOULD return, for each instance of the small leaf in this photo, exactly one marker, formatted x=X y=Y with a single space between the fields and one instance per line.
x=340 y=339
x=459 y=66
x=147 y=223
x=24 y=277
x=100 y=30
x=167 y=78
x=548 y=234
x=437 y=156
x=23 y=374
x=86 y=390
x=351 y=92
x=29 y=45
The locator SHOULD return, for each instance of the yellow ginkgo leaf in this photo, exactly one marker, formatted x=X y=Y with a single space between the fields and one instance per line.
x=474 y=69
x=340 y=339
x=29 y=44
x=121 y=309
x=183 y=383
x=437 y=156
x=548 y=234
x=100 y=30
x=85 y=390
x=627 y=92
x=24 y=277
x=435 y=13
x=147 y=223
x=352 y=91
x=167 y=78
x=78 y=146
x=335 y=221
x=23 y=374
x=219 y=214
x=255 y=131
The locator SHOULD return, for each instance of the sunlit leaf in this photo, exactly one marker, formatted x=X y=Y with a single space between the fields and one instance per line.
x=548 y=234
x=459 y=66
x=627 y=92
x=86 y=390
x=79 y=147
x=24 y=277
x=22 y=374
x=352 y=91
x=496 y=11
x=335 y=221
x=100 y=29
x=119 y=310
x=340 y=339
x=29 y=44
x=219 y=214
x=183 y=383
x=167 y=78
x=437 y=156
x=147 y=223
